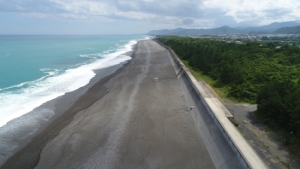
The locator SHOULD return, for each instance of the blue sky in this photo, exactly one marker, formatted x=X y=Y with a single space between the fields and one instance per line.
x=138 y=16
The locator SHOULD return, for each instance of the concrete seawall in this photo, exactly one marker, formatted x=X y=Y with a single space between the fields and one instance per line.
x=221 y=117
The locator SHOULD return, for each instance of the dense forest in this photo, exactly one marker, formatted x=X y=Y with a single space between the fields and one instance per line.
x=265 y=74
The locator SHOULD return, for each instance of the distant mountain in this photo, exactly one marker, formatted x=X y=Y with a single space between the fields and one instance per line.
x=165 y=31
x=227 y=30
x=186 y=32
x=269 y=28
x=276 y=25
x=215 y=31
x=297 y=21
x=288 y=30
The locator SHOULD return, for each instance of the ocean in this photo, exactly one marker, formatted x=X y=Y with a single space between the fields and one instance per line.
x=36 y=69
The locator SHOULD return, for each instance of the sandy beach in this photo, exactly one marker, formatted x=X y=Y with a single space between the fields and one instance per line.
x=125 y=120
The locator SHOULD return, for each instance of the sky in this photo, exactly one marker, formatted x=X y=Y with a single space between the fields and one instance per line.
x=138 y=16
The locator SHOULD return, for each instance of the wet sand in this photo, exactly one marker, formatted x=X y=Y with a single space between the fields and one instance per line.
x=136 y=123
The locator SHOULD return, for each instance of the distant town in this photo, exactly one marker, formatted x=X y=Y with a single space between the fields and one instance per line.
x=291 y=39
x=277 y=33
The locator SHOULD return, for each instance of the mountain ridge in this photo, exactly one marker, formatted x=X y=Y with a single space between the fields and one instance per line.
x=271 y=28
x=288 y=30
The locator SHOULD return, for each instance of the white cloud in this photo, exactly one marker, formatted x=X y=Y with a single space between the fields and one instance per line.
x=159 y=14
x=83 y=7
x=140 y=10
x=259 y=11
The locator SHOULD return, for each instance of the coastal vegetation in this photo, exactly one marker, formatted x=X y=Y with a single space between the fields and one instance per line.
x=263 y=73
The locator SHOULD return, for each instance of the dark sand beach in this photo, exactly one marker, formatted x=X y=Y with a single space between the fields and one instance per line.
x=24 y=138
x=125 y=120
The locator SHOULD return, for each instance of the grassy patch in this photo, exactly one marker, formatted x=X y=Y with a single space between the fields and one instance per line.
x=287 y=165
x=220 y=89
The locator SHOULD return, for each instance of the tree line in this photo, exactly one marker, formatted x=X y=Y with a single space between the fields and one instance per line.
x=254 y=72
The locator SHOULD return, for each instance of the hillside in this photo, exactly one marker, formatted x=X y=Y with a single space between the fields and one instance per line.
x=288 y=30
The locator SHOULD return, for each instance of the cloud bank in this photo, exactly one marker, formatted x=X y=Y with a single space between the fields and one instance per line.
x=157 y=14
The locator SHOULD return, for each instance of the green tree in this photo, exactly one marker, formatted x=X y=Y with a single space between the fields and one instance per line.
x=278 y=105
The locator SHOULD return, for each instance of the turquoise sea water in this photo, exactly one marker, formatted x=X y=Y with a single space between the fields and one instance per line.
x=36 y=69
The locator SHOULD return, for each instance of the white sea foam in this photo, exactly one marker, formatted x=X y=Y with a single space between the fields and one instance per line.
x=50 y=72
x=29 y=95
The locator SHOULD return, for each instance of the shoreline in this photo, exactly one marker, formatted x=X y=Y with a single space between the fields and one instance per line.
x=139 y=123
x=65 y=108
